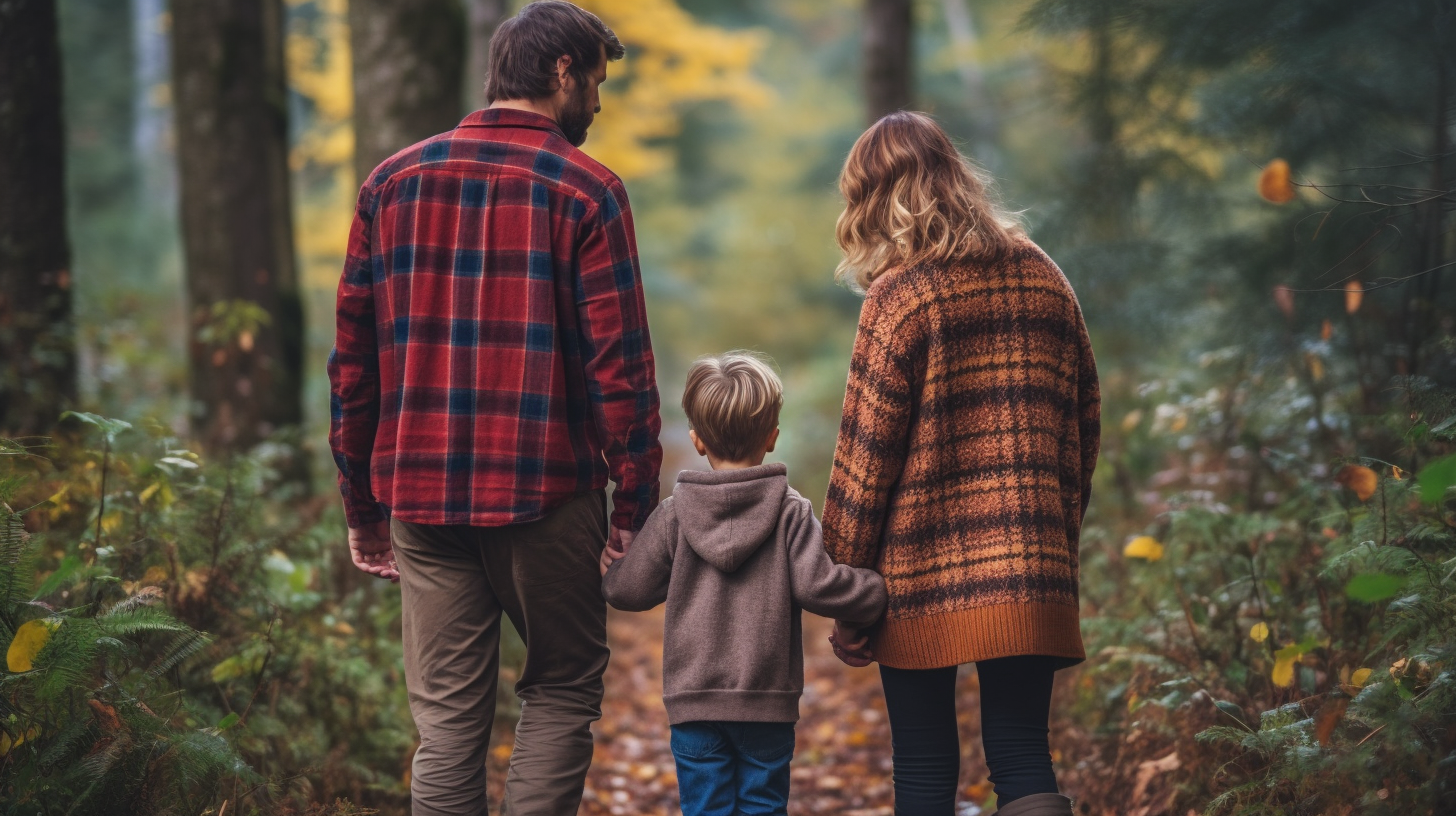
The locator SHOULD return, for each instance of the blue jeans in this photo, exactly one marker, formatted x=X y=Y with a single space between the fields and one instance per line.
x=727 y=768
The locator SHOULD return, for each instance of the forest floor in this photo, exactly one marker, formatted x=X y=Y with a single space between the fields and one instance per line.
x=841 y=762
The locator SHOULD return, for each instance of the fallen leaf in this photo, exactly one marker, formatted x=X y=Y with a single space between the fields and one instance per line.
x=1150 y=770
x=1358 y=478
x=29 y=639
x=7 y=744
x=1360 y=677
x=1329 y=716
x=105 y=715
x=1283 y=674
x=1274 y=182
x=1145 y=547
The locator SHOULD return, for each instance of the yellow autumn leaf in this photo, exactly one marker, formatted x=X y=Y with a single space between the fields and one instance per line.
x=111 y=522
x=7 y=744
x=1358 y=478
x=1132 y=419
x=1179 y=422
x=1274 y=183
x=1145 y=547
x=29 y=639
x=1360 y=677
x=1283 y=675
x=1259 y=632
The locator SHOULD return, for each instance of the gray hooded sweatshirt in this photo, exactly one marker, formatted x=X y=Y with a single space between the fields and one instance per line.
x=736 y=554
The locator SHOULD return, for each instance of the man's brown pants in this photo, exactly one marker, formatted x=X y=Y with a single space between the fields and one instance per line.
x=455 y=582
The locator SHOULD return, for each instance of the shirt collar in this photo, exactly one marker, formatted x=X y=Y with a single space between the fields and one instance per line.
x=510 y=117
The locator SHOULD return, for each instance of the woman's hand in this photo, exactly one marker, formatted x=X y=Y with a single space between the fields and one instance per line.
x=851 y=645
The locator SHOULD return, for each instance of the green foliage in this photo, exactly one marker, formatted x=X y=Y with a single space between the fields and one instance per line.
x=90 y=722
x=265 y=711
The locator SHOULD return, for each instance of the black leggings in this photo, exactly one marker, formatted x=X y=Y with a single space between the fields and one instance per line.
x=1016 y=694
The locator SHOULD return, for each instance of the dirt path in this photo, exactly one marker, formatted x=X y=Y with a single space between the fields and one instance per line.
x=841 y=764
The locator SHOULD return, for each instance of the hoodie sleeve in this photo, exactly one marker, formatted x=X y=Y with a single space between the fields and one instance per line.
x=638 y=581
x=821 y=586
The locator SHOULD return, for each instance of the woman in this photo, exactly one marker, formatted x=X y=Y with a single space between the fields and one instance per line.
x=964 y=463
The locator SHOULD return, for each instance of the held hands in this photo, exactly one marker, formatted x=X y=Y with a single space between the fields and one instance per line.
x=373 y=551
x=851 y=646
x=617 y=544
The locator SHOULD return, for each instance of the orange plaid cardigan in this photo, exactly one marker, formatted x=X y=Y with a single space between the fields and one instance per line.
x=965 y=457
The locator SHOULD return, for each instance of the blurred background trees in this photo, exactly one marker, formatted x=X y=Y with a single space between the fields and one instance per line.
x=37 y=345
x=246 y=329
x=1253 y=199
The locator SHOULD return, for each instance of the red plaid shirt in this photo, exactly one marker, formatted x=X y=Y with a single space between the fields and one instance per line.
x=492 y=357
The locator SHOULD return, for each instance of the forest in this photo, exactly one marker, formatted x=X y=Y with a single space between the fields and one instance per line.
x=1253 y=200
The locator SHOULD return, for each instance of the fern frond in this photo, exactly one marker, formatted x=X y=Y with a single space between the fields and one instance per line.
x=183 y=646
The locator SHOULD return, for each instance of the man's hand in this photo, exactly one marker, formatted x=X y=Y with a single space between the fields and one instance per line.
x=373 y=551
x=617 y=544
x=851 y=646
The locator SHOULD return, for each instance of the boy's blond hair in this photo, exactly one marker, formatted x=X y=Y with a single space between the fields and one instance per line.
x=732 y=401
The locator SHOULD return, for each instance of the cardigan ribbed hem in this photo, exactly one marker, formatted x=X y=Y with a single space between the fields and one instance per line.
x=983 y=633
x=731 y=705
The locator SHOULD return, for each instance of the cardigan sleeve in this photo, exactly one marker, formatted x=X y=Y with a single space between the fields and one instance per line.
x=1089 y=411
x=873 y=432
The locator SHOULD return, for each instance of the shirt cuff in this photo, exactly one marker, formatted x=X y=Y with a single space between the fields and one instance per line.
x=361 y=513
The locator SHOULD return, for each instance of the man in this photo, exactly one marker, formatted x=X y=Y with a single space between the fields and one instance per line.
x=492 y=368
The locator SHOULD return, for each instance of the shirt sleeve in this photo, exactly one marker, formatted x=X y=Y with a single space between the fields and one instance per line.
x=617 y=353
x=638 y=581
x=873 y=435
x=354 y=376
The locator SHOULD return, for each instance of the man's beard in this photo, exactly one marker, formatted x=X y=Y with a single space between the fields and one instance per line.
x=576 y=118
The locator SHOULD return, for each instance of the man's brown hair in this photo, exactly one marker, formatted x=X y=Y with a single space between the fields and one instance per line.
x=732 y=401
x=525 y=48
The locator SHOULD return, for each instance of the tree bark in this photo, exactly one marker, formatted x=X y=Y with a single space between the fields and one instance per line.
x=237 y=234
x=888 y=56
x=409 y=60
x=37 y=341
x=483 y=17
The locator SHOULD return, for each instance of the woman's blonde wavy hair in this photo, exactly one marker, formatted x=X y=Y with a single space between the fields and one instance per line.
x=911 y=198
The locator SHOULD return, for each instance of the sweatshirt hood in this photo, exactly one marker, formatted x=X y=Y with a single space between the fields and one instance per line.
x=725 y=515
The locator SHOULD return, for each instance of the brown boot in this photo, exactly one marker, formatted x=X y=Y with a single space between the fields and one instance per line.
x=1038 y=804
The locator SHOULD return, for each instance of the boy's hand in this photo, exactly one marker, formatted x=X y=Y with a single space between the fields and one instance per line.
x=617 y=544
x=373 y=551
x=851 y=645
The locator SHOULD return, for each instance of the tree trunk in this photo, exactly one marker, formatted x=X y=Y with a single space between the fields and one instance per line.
x=888 y=28
x=409 y=59
x=246 y=331
x=37 y=342
x=483 y=16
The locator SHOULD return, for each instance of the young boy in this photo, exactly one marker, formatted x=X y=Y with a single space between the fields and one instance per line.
x=735 y=553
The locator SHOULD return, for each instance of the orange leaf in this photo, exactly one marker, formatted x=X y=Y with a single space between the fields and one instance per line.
x=1328 y=717
x=1326 y=331
x=1274 y=184
x=1358 y=478
x=1284 y=299
x=1354 y=293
